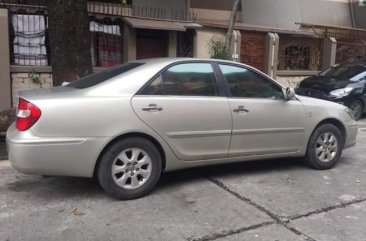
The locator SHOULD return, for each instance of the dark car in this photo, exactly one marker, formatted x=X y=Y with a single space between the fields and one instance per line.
x=344 y=84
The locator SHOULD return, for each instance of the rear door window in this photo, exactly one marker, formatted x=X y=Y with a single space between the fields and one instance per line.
x=245 y=83
x=189 y=79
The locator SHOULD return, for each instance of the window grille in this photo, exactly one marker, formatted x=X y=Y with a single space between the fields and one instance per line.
x=299 y=53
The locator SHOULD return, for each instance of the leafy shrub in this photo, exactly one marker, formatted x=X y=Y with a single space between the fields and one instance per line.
x=217 y=48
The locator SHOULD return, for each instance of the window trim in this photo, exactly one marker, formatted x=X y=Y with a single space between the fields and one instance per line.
x=227 y=87
x=220 y=86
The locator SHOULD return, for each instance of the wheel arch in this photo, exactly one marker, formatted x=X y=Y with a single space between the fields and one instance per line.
x=335 y=122
x=127 y=135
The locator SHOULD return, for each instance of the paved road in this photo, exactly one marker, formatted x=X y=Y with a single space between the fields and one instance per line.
x=269 y=200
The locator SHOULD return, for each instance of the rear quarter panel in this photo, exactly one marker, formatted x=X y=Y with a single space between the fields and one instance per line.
x=96 y=120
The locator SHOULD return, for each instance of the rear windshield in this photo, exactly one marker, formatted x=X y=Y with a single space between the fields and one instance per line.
x=102 y=76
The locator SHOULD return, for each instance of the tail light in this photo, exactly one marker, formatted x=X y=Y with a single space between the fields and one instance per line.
x=27 y=115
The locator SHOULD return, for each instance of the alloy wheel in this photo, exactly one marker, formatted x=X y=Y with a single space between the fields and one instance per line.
x=356 y=108
x=326 y=147
x=131 y=168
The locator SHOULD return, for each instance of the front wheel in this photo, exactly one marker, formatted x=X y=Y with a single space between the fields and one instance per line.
x=324 y=147
x=357 y=109
x=130 y=168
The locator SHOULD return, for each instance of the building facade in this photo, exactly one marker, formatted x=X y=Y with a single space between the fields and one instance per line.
x=308 y=35
x=287 y=39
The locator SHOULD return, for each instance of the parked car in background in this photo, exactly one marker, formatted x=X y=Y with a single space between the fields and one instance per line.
x=130 y=123
x=344 y=84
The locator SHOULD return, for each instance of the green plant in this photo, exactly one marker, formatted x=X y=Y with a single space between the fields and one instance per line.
x=217 y=48
x=35 y=78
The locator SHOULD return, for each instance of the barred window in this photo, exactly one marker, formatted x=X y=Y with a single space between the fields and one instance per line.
x=299 y=53
x=350 y=52
x=106 y=41
x=29 y=40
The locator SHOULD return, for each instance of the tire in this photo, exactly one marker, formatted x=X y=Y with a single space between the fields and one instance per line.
x=136 y=165
x=325 y=147
x=357 y=108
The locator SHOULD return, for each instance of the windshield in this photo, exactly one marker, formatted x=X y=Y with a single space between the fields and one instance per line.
x=102 y=76
x=345 y=72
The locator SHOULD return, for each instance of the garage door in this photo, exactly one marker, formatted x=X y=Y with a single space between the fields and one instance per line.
x=151 y=43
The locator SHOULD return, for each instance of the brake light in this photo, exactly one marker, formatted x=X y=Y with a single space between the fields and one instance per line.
x=27 y=115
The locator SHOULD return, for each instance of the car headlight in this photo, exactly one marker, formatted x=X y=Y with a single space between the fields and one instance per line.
x=349 y=112
x=341 y=92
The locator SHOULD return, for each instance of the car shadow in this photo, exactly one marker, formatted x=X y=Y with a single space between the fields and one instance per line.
x=240 y=168
x=56 y=188
x=53 y=188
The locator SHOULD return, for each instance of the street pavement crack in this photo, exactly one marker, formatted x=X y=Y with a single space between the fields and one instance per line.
x=276 y=219
x=210 y=237
x=327 y=209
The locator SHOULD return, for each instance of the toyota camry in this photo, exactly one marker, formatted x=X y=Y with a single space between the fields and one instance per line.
x=128 y=124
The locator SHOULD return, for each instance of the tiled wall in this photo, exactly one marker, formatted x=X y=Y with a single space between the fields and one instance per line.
x=22 y=81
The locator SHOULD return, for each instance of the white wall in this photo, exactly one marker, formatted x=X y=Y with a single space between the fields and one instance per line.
x=290 y=81
x=285 y=13
x=326 y=12
x=201 y=41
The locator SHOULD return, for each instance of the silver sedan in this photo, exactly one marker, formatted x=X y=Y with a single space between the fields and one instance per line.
x=130 y=123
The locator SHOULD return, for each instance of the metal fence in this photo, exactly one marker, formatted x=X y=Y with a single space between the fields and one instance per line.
x=350 y=52
x=351 y=43
x=106 y=41
x=299 y=53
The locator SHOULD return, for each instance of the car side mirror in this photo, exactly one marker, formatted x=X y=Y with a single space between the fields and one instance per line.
x=289 y=93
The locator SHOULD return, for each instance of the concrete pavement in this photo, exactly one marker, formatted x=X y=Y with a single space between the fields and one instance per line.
x=268 y=200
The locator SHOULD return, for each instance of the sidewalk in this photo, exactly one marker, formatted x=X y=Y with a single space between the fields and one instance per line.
x=265 y=201
x=256 y=201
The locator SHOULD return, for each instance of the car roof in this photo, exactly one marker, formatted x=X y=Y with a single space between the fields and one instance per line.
x=362 y=63
x=169 y=60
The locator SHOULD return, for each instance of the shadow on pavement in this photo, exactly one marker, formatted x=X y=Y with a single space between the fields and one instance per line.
x=60 y=188
x=241 y=168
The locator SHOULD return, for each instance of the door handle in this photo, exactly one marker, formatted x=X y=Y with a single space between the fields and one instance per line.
x=152 y=107
x=241 y=109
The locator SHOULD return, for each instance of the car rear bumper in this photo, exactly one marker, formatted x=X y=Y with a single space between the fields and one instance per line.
x=52 y=156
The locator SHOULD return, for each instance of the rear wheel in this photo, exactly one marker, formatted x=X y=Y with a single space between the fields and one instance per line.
x=357 y=109
x=130 y=168
x=324 y=147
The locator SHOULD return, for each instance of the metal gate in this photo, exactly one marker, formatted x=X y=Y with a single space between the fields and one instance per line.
x=350 y=52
